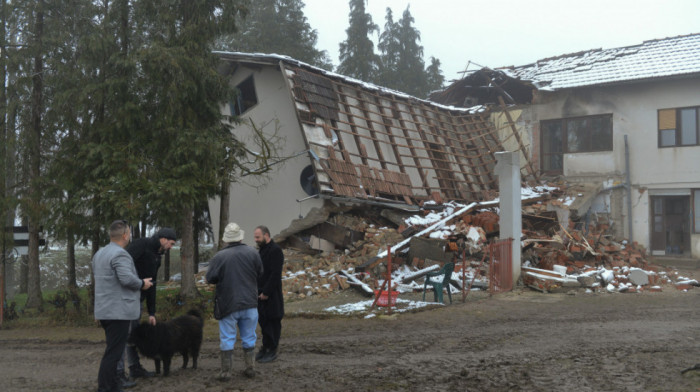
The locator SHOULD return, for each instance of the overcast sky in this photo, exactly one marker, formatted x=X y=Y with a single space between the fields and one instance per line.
x=497 y=33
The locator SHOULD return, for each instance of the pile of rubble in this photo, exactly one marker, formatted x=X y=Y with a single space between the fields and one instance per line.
x=555 y=255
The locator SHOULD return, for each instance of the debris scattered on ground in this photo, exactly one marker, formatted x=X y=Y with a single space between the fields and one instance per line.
x=559 y=250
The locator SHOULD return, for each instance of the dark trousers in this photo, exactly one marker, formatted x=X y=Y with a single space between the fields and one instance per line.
x=271 y=330
x=116 y=333
x=131 y=354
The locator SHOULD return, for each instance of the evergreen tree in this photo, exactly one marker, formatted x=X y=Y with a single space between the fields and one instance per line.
x=357 y=57
x=402 y=56
x=436 y=80
x=278 y=26
x=185 y=139
x=66 y=218
x=390 y=49
x=36 y=14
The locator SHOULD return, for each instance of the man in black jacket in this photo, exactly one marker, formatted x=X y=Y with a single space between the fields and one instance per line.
x=147 y=253
x=270 y=299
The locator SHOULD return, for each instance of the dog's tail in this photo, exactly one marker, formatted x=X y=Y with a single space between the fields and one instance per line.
x=196 y=313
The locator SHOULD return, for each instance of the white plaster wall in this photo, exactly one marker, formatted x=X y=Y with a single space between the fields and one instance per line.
x=269 y=200
x=634 y=108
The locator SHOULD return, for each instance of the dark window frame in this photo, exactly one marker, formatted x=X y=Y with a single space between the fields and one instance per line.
x=678 y=130
x=246 y=97
x=563 y=125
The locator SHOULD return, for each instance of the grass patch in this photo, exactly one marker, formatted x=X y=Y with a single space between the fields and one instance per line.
x=70 y=308
x=65 y=307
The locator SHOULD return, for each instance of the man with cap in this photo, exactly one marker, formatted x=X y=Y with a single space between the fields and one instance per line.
x=147 y=253
x=235 y=271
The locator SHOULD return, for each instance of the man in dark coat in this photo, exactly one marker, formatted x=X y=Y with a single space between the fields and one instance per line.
x=147 y=253
x=270 y=299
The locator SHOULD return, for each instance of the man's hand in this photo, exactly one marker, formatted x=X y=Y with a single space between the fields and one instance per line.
x=147 y=284
x=152 y=320
x=263 y=297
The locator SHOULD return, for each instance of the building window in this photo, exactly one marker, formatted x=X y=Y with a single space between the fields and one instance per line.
x=573 y=135
x=679 y=127
x=696 y=211
x=245 y=97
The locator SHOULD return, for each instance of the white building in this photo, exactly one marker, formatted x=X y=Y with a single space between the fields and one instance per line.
x=626 y=120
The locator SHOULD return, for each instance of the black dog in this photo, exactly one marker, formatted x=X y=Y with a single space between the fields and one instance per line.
x=161 y=341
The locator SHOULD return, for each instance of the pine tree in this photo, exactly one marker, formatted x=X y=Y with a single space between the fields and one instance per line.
x=357 y=57
x=278 y=26
x=390 y=49
x=436 y=79
x=402 y=56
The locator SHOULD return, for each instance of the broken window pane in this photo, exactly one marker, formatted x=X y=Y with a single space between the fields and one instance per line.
x=576 y=135
x=551 y=137
x=552 y=159
x=245 y=97
x=601 y=133
x=553 y=163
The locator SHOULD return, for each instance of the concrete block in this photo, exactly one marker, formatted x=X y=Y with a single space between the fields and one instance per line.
x=638 y=277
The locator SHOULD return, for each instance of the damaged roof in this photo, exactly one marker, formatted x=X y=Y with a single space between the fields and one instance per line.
x=659 y=58
x=372 y=143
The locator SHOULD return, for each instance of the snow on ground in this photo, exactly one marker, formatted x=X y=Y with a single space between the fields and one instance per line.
x=402 y=305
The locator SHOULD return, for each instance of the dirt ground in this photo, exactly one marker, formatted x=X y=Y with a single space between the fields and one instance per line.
x=518 y=341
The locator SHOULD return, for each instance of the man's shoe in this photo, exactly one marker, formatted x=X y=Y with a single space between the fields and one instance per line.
x=270 y=356
x=137 y=372
x=261 y=354
x=125 y=383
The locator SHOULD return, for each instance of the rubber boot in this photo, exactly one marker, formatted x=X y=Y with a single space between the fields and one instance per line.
x=249 y=357
x=226 y=364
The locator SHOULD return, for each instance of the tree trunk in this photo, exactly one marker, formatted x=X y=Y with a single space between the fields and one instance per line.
x=95 y=246
x=72 y=279
x=34 y=299
x=4 y=199
x=195 y=246
x=187 y=288
x=166 y=268
x=23 y=272
x=195 y=240
x=224 y=210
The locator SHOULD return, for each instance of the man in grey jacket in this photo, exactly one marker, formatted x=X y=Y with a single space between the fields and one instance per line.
x=117 y=298
x=235 y=270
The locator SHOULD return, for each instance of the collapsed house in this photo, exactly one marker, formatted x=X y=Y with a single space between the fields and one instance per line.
x=624 y=123
x=341 y=142
x=588 y=121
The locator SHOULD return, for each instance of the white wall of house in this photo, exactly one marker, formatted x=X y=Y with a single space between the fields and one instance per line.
x=634 y=111
x=269 y=200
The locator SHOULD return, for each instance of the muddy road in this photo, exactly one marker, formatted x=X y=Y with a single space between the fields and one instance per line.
x=519 y=341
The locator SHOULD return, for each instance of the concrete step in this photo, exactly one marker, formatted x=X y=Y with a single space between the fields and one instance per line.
x=677 y=262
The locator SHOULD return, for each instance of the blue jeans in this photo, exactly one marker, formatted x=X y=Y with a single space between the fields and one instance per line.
x=246 y=320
